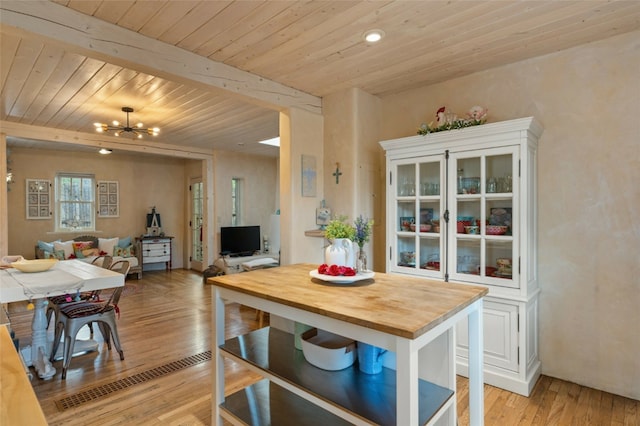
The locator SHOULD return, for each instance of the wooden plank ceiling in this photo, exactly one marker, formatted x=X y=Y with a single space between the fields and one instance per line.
x=315 y=47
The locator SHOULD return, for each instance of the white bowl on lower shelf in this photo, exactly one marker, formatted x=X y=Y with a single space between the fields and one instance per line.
x=328 y=351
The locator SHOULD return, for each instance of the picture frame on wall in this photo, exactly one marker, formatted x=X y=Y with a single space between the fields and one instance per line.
x=309 y=176
x=37 y=199
x=108 y=199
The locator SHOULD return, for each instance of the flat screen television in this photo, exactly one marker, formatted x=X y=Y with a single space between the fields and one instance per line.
x=239 y=240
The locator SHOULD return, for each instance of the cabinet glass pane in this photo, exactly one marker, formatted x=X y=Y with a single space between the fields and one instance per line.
x=469 y=216
x=468 y=176
x=406 y=182
x=406 y=215
x=429 y=216
x=430 y=179
x=430 y=253
x=499 y=174
x=468 y=257
x=406 y=251
x=499 y=221
x=499 y=259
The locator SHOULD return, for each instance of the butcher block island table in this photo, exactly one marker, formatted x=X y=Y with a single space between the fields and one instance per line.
x=413 y=318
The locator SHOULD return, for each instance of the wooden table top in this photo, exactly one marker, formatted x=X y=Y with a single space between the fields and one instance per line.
x=18 y=402
x=395 y=304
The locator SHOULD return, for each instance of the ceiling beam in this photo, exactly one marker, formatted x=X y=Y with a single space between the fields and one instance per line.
x=97 y=140
x=89 y=36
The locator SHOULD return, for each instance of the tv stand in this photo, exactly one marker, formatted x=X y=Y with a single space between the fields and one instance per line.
x=249 y=254
x=232 y=265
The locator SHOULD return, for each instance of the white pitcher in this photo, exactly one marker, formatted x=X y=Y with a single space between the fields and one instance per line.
x=341 y=252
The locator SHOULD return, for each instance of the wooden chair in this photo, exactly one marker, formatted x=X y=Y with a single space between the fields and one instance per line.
x=73 y=316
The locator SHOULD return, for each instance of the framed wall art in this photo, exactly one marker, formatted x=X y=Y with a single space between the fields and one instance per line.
x=108 y=199
x=309 y=176
x=38 y=194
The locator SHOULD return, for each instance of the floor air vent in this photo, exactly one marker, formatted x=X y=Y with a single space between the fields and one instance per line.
x=104 y=390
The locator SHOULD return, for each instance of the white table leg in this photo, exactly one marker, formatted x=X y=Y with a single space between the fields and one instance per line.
x=217 y=339
x=476 y=385
x=38 y=354
x=406 y=384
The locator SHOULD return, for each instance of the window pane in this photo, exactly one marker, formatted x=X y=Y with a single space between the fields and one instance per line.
x=75 y=202
x=236 y=213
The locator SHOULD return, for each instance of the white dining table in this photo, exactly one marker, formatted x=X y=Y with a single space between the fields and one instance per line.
x=65 y=277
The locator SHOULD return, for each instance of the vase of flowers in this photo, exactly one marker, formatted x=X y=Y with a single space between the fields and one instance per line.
x=341 y=251
x=362 y=235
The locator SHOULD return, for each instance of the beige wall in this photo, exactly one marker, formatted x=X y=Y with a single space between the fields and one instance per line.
x=351 y=127
x=300 y=134
x=588 y=100
x=145 y=181
x=260 y=178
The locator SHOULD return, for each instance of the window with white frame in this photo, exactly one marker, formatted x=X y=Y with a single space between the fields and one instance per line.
x=75 y=202
x=236 y=201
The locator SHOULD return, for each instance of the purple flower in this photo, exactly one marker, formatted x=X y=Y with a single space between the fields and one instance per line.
x=363 y=230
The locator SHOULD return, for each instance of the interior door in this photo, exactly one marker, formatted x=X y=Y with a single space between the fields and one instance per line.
x=195 y=225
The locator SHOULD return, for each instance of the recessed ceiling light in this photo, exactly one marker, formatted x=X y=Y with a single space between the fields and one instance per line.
x=105 y=151
x=273 y=142
x=373 y=36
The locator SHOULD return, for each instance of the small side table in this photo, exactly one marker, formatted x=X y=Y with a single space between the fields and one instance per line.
x=155 y=250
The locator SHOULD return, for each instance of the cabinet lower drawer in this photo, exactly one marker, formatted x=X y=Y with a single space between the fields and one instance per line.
x=155 y=246
x=155 y=251
x=156 y=259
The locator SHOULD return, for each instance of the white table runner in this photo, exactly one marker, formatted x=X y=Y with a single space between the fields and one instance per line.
x=41 y=284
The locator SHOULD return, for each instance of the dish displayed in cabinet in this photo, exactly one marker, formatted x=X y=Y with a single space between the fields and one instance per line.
x=424 y=227
x=406 y=222
x=500 y=216
x=431 y=265
x=496 y=229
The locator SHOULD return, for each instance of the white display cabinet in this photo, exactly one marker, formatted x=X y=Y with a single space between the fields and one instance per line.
x=461 y=207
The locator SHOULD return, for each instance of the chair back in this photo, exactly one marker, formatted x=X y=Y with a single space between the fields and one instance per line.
x=115 y=298
x=121 y=266
x=106 y=261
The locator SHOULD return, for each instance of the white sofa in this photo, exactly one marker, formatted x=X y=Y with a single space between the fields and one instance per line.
x=91 y=249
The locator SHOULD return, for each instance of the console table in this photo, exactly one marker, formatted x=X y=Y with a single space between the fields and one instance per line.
x=411 y=317
x=155 y=250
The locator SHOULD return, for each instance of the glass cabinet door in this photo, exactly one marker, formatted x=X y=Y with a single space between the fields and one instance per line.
x=484 y=247
x=418 y=209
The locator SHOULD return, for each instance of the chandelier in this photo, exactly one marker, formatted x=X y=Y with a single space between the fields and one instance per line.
x=117 y=129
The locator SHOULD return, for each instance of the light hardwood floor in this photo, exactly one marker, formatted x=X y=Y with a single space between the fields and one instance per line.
x=165 y=317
